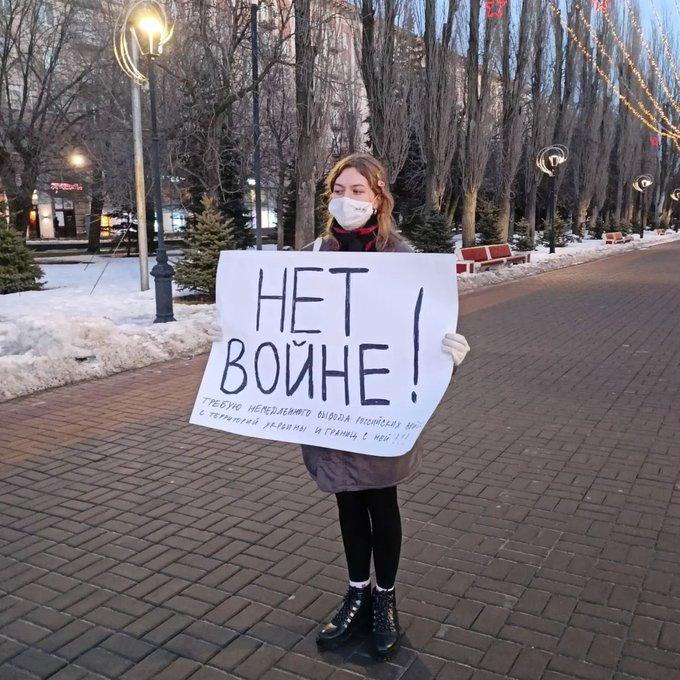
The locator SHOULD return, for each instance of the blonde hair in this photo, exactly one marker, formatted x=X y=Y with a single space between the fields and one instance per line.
x=376 y=176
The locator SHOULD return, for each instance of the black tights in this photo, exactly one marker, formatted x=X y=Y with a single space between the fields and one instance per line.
x=370 y=522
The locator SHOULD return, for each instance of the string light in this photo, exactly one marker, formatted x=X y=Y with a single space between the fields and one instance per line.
x=668 y=50
x=641 y=112
x=652 y=59
x=633 y=66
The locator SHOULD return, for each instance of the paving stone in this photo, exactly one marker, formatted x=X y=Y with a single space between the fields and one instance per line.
x=541 y=534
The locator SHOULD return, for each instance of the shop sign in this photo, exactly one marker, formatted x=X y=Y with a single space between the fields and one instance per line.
x=65 y=186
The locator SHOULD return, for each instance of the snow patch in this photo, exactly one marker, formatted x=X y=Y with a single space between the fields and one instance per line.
x=541 y=260
x=64 y=334
x=91 y=320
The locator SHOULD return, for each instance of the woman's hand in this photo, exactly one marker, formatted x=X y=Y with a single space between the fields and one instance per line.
x=457 y=346
x=214 y=332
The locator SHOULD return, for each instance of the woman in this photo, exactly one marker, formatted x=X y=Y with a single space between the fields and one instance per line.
x=365 y=486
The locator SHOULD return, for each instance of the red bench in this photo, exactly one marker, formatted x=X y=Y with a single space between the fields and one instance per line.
x=613 y=237
x=478 y=258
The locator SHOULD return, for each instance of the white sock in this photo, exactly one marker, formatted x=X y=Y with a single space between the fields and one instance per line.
x=384 y=590
x=359 y=584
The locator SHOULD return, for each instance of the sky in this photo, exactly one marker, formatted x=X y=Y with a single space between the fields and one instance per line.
x=663 y=7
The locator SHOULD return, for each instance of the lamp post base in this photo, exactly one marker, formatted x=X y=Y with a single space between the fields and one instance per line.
x=162 y=274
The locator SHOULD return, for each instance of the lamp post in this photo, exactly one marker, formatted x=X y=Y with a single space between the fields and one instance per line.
x=641 y=184
x=675 y=197
x=548 y=161
x=256 y=124
x=147 y=23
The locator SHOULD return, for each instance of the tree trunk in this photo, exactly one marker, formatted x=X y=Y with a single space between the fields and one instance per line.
x=504 y=216
x=530 y=210
x=581 y=212
x=20 y=205
x=433 y=198
x=94 y=235
x=469 y=215
x=305 y=166
x=280 y=197
x=594 y=216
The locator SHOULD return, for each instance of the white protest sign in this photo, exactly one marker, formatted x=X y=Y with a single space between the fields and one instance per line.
x=341 y=350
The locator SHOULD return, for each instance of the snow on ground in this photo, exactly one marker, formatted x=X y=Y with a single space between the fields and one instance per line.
x=66 y=332
x=91 y=320
x=575 y=253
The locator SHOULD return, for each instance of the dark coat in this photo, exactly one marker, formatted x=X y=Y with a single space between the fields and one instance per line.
x=335 y=470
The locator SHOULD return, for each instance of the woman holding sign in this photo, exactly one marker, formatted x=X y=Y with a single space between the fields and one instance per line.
x=365 y=486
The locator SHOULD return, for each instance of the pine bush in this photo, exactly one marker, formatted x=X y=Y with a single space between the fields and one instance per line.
x=521 y=240
x=18 y=269
x=488 y=231
x=207 y=237
x=428 y=231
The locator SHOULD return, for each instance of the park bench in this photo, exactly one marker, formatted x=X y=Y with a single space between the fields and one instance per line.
x=613 y=237
x=478 y=258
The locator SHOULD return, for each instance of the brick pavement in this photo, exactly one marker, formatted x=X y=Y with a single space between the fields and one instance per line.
x=542 y=535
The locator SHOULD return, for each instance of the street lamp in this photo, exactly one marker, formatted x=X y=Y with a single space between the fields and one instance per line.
x=77 y=160
x=256 y=124
x=641 y=184
x=146 y=21
x=675 y=196
x=548 y=161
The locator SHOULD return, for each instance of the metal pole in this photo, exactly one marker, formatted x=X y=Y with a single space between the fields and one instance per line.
x=256 y=125
x=162 y=271
x=552 y=209
x=641 y=203
x=140 y=190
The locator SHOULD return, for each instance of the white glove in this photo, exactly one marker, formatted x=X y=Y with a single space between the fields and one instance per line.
x=457 y=346
x=214 y=332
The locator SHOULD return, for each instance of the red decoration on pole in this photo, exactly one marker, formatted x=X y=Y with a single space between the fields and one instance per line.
x=655 y=142
x=495 y=8
x=600 y=5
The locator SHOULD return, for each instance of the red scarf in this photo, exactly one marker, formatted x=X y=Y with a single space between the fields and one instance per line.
x=357 y=240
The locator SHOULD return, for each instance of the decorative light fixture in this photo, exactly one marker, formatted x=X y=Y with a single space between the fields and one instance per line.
x=551 y=157
x=144 y=28
x=148 y=23
x=642 y=183
x=495 y=9
x=548 y=160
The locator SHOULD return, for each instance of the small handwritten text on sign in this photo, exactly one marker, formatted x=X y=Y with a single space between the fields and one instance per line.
x=341 y=350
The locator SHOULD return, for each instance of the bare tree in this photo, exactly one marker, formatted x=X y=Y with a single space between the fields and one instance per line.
x=387 y=79
x=593 y=135
x=513 y=94
x=479 y=115
x=539 y=116
x=45 y=73
x=440 y=113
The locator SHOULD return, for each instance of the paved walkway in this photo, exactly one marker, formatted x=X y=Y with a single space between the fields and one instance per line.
x=542 y=536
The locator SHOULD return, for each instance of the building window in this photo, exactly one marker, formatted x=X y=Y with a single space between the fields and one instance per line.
x=46 y=14
x=178 y=220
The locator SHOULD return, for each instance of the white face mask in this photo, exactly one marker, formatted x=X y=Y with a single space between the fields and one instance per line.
x=350 y=214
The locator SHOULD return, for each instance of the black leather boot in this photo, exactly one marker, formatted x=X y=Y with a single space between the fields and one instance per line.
x=354 y=616
x=386 y=631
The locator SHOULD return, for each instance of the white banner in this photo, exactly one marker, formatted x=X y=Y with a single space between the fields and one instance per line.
x=341 y=350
